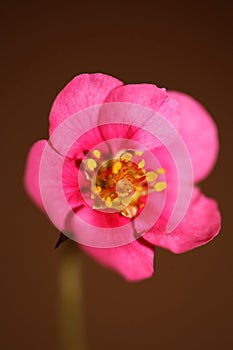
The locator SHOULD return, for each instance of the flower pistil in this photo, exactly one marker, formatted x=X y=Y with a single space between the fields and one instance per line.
x=121 y=183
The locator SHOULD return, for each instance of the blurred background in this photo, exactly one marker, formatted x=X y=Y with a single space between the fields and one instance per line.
x=185 y=46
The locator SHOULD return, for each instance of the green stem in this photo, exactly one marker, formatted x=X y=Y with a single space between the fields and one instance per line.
x=71 y=299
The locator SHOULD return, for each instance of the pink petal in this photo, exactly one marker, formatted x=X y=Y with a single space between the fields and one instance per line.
x=147 y=95
x=171 y=178
x=134 y=261
x=67 y=209
x=200 y=225
x=199 y=133
x=83 y=91
x=31 y=175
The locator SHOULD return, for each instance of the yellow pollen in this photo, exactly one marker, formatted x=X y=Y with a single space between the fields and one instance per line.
x=116 y=167
x=139 y=176
x=108 y=202
x=136 y=196
x=122 y=183
x=138 y=153
x=160 y=186
x=141 y=164
x=161 y=171
x=98 y=189
x=97 y=153
x=126 y=157
x=91 y=164
x=151 y=176
x=138 y=188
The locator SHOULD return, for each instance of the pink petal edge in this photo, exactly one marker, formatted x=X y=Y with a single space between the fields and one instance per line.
x=199 y=133
x=32 y=171
x=147 y=95
x=83 y=91
x=134 y=261
x=200 y=225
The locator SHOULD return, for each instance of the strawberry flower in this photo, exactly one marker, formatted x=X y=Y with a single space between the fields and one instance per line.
x=107 y=174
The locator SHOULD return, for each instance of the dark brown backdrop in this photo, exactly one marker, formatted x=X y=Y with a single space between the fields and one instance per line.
x=185 y=46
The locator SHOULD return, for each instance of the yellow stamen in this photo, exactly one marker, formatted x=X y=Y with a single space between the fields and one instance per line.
x=160 y=186
x=161 y=171
x=138 y=188
x=151 y=176
x=116 y=167
x=96 y=153
x=138 y=153
x=141 y=164
x=121 y=183
x=91 y=164
x=98 y=189
x=126 y=157
x=136 y=196
x=108 y=202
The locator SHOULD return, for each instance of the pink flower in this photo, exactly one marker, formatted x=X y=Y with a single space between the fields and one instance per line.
x=201 y=222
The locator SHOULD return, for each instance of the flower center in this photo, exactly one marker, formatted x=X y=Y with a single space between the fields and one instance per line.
x=121 y=184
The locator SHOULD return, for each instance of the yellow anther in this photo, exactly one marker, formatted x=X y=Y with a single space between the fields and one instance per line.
x=91 y=164
x=126 y=157
x=136 y=196
x=139 y=176
x=108 y=202
x=161 y=171
x=98 y=189
x=96 y=153
x=138 y=188
x=160 y=186
x=151 y=176
x=141 y=164
x=116 y=167
x=121 y=183
x=138 y=153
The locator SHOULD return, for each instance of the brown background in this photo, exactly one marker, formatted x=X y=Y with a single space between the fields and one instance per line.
x=184 y=46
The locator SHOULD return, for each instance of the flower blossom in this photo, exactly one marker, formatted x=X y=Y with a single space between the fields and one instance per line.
x=106 y=183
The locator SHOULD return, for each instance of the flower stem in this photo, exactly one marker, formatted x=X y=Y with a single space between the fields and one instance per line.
x=71 y=299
